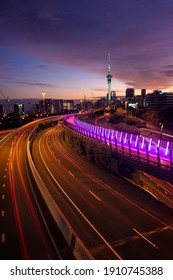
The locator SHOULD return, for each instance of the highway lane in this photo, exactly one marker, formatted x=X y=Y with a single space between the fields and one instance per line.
x=9 y=244
x=113 y=219
x=35 y=231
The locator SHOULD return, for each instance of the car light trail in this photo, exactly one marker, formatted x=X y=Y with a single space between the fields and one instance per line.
x=59 y=150
x=140 y=234
x=16 y=212
x=29 y=202
x=95 y=195
x=75 y=206
x=71 y=173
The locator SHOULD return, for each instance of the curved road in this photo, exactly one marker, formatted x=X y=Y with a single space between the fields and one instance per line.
x=27 y=229
x=114 y=219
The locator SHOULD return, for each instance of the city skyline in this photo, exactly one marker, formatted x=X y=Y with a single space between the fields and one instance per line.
x=62 y=48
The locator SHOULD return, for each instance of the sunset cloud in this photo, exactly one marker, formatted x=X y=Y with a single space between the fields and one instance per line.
x=66 y=43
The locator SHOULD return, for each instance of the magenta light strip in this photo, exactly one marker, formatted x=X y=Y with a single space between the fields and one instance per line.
x=120 y=136
x=149 y=147
x=136 y=140
x=166 y=150
x=125 y=138
x=142 y=145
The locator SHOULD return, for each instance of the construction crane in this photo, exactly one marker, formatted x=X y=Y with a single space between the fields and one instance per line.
x=94 y=99
x=5 y=98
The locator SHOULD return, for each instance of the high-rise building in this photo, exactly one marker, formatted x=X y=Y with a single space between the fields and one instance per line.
x=159 y=100
x=6 y=109
x=57 y=106
x=45 y=106
x=143 y=92
x=109 y=77
x=68 y=105
x=19 y=109
x=130 y=92
x=130 y=95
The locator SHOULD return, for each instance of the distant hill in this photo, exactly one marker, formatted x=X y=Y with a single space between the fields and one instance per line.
x=23 y=101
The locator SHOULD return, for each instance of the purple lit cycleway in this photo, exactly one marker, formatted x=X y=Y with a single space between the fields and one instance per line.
x=143 y=147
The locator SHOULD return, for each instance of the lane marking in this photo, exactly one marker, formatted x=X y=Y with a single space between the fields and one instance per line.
x=81 y=213
x=3 y=238
x=5 y=176
x=145 y=238
x=3 y=185
x=95 y=195
x=71 y=173
x=2 y=213
x=124 y=197
x=3 y=196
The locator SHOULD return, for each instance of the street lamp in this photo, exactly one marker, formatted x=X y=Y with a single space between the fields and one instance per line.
x=161 y=129
x=125 y=110
x=43 y=93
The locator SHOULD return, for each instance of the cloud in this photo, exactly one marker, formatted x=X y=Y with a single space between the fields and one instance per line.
x=168 y=73
x=78 y=35
x=131 y=83
x=39 y=84
x=168 y=66
x=99 y=89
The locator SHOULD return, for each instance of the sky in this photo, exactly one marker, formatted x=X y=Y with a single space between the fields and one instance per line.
x=61 y=47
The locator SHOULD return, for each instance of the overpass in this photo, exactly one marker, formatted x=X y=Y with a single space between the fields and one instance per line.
x=138 y=151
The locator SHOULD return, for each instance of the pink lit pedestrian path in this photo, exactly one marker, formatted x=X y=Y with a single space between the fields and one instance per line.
x=135 y=146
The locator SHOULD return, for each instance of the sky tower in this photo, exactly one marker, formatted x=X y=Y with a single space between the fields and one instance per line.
x=109 y=76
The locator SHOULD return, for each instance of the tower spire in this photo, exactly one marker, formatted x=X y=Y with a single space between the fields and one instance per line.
x=109 y=61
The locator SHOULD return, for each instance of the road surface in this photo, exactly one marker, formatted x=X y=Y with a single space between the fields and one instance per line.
x=114 y=219
x=27 y=229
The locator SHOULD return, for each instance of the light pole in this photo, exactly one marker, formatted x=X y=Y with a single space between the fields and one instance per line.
x=125 y=110
x=161 y=129
x=43 y=93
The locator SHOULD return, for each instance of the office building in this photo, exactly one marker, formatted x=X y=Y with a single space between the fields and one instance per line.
x=6 y=109
x=18 y=109
x=159 y=100
x=57 y=106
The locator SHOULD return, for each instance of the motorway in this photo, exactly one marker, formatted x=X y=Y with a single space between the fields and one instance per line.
x=113 y=218
x=27 y=230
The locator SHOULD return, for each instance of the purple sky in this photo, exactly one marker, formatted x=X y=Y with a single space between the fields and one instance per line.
x=61 y=46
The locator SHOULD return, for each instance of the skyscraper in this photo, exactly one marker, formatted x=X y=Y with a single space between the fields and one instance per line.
x=143 y=92
x=130 y=92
